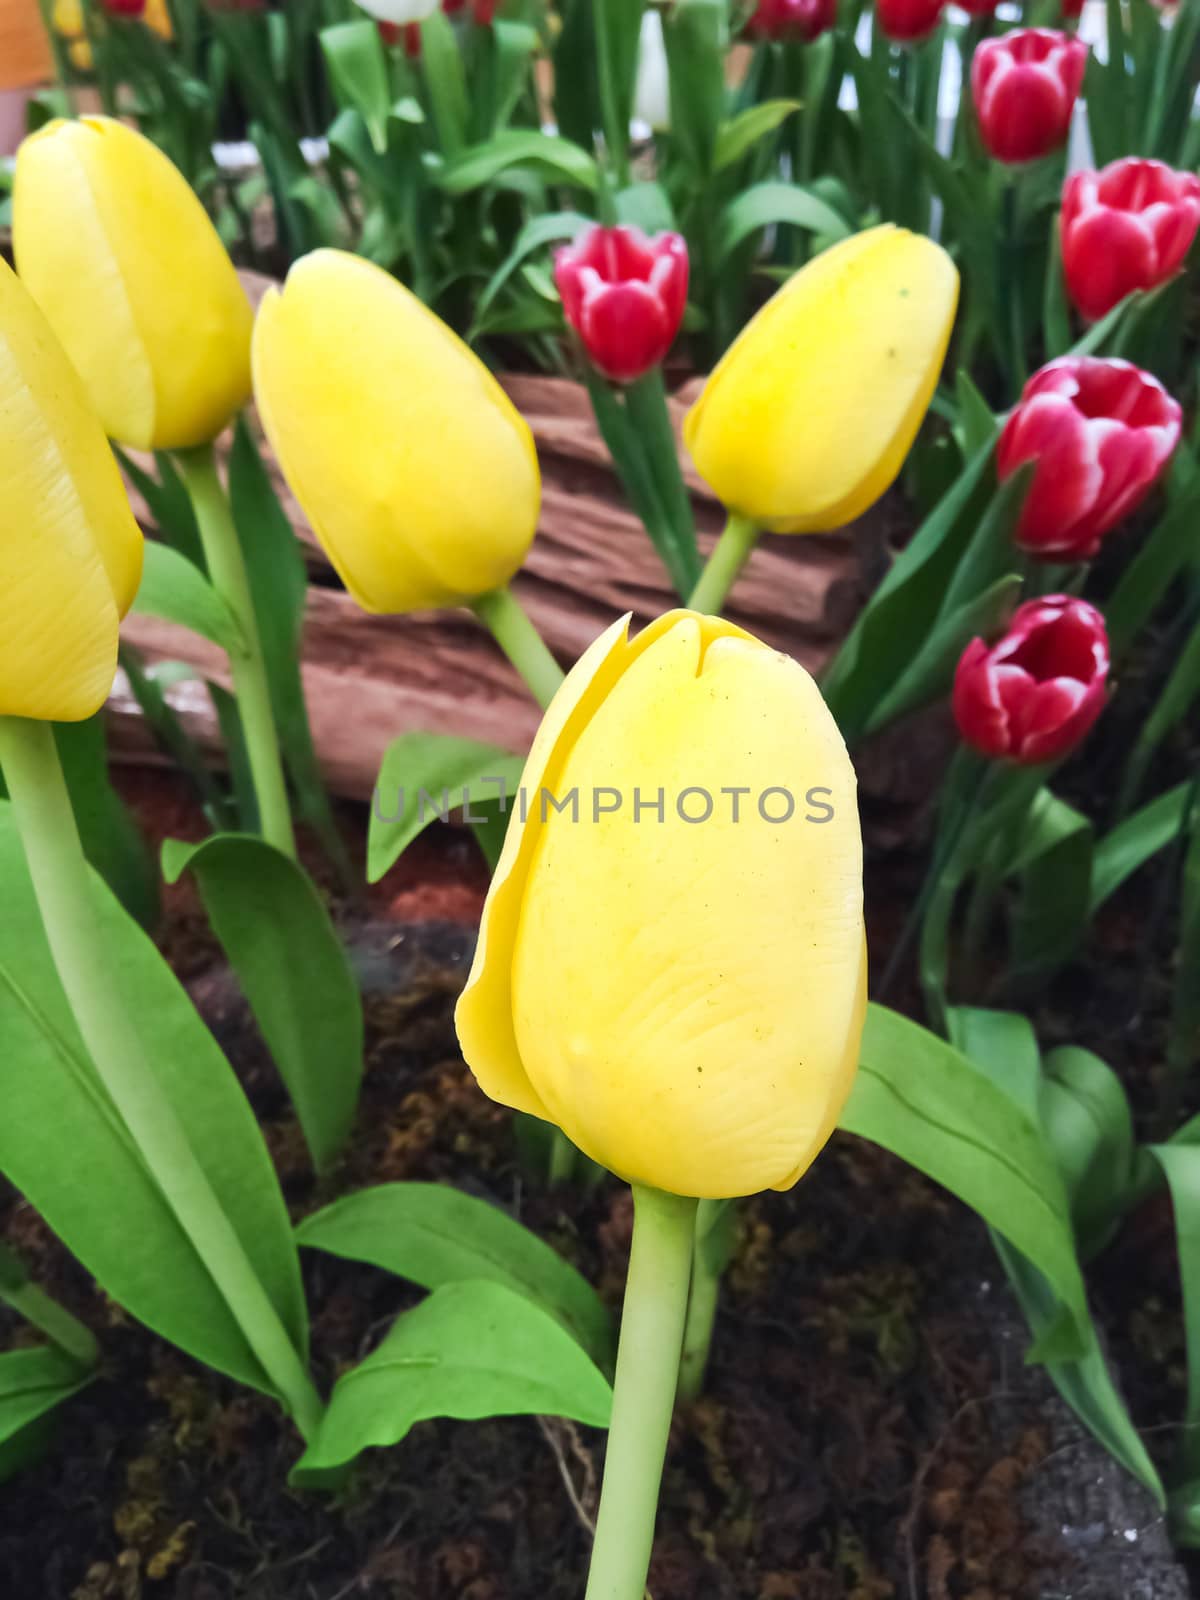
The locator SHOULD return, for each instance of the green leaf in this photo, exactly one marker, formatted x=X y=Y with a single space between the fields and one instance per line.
x=481 y=164
x=1003 y=1046
x=358 y=73
x=33 y=1383
x=1056 y=312
x=471 y=1350
x=1085 y=1383
x=1161 y=556
x=441 y=63
x=921 y=1099
x=768 y=204
x=1181 y=1168
x=169 y=504
x=1132 y=842
x=535 y=235
x=1052 y=912
x=646 y=206
x=977 y=422
x=422 y=778
x=895 y=622
x=279 y=587
x=293 y=969
x=59 y=1123
x=1088 y=1123
x=111 y=839
x=695 y=37
x=176 y=590
x=737 y=137
x=931 y=672
x=434 y=1235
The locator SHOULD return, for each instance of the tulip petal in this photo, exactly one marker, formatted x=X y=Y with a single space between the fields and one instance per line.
x=133 y=278
x=70 y=550
x=418 y=474
x=685 y=997
x=484 y=1014
x=809 y=415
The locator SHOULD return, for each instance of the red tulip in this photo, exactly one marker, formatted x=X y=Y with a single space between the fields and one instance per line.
x=1100 y=432
x=906 y=20
x=124 y=8
x=979 y=8
x=1071 y=9
x=792 y=19
x=1033 y=696
x=407 y=34
x=1126 y=227
x=1025 y=84
x=624 y=295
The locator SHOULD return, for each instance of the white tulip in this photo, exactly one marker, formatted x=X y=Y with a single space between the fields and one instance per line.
x=652 y=93
x=399 y=11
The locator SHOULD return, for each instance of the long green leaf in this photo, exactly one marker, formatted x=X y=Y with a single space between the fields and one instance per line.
x=481 y=164
x=422 y=778
x=768 y=204
x=33 y=1383
x=292 y=965
x=173 y=588
x=64 y=1146
x=434 y=1235
x=739 y=136
x=1133 y=842
x=920 y=1098
x=471 y=1350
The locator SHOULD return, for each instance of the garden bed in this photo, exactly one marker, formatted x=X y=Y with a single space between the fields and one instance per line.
x=869 y=1428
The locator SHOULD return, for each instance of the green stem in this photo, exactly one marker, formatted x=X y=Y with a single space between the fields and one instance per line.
x=730 y=554
x=614 y=122
x=644 y=1396
x=702 y=1303
x=501 y=613
x=650 y=419
x=227 y=569
x=36 y=1306
x=65 y=898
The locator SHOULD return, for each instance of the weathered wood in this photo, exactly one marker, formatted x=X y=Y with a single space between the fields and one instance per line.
x=369 y=679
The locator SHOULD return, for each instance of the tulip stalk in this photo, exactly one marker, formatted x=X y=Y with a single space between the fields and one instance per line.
x=504 y=617
x=65 y=897
x=730 y=554
x=652 y=1325
x=227 y=569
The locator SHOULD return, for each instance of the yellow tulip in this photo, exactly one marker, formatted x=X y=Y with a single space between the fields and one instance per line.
x=807 y=418
x=67 y=18
x=123 y=260
x=80 y=55
x=157 y=17
x=417 y=473
x=684 y=998
x=70 y=550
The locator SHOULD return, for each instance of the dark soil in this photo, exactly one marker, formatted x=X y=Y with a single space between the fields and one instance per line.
x=867 y=1430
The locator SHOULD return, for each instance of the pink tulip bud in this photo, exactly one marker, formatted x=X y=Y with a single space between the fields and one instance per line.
x=1126 y=227
x=906 y=20
x=624 y=295
x=1025 y=84
x=1100 y=432
x=1035 y=694
x=792 y=19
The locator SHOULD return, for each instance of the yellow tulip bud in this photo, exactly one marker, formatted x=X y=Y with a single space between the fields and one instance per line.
x=157 y=17
x=417 y=473
x=80 y=55
x=122 y=258
x=684 y=998
x=67 y=18
x=808 y=416
x=70 y=550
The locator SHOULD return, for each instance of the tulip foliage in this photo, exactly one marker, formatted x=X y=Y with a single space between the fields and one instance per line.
x=907 y=299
